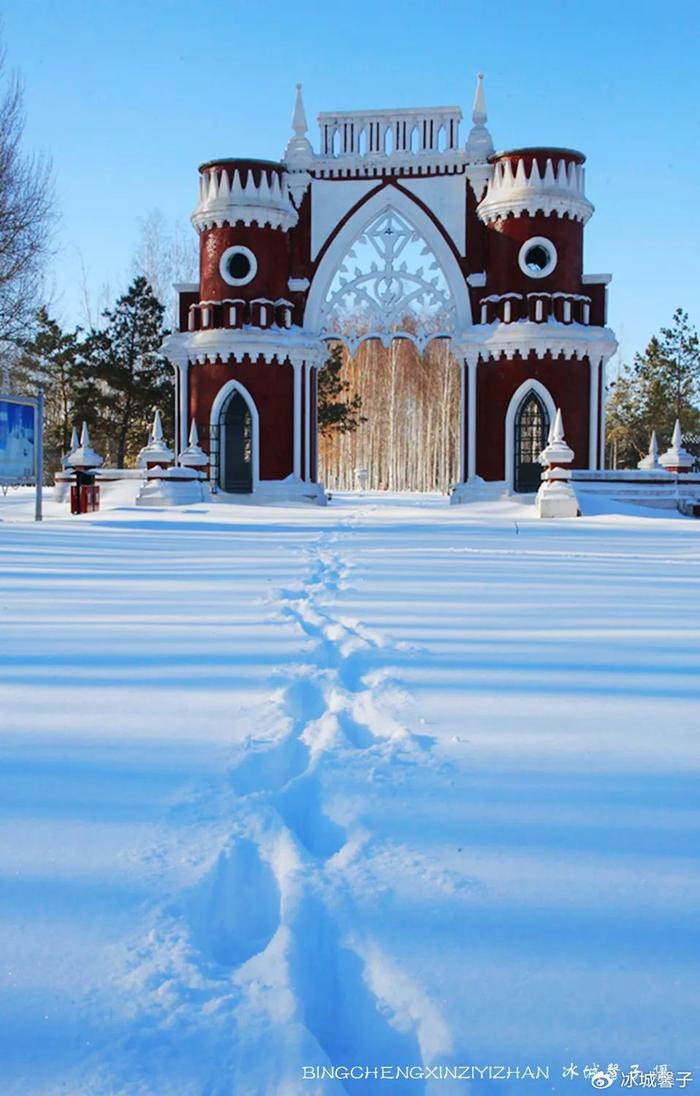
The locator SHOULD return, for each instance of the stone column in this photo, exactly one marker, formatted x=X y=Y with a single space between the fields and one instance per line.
x=594 y=365
x=472 y=365
x=307 y=421
x=297 y=367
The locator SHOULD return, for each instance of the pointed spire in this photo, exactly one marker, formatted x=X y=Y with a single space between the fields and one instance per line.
x=479 y=144
x=651 y=460
x=157 y=428
x=193 y=456
x=299 y=123
x=677 y=437
x=156 y=451
x=74 y=444
x=83 y=456
x=556 y=451
x=299 y=151
x=676 y=458
x=479 y=115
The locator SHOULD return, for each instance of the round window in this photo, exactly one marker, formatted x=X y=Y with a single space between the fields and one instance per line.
x=537 y=257
x=238 y=265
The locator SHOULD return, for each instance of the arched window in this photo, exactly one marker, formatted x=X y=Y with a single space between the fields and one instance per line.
x=235 y=446
x=531 y=429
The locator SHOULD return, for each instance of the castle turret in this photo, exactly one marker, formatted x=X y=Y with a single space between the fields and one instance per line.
x=546 y=341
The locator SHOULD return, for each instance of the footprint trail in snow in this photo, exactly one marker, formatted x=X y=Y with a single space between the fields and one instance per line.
x=271 y=944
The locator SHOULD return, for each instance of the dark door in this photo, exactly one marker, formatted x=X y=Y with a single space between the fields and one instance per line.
x=236 y=446
x=531 y=429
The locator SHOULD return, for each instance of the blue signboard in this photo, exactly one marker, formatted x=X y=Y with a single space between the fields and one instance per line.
x=18 y=443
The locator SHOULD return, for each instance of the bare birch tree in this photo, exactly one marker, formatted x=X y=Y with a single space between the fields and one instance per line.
x=165 y=256
x=409 y=440
x=26 y=216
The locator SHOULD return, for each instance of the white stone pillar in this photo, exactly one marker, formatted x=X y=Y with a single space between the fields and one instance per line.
x=297 y=365
x=184 y=405
x=462 y=421
x=472 y=361
x=593 y=411
x=307 y=421
x=602 y=414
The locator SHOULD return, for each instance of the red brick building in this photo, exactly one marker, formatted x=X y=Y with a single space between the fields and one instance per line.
x=393 y=229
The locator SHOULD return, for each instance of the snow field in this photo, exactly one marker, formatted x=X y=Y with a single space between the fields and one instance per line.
x=385 y=783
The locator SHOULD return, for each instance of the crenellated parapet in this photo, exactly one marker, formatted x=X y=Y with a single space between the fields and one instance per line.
x=243 y=191
x=260 y=312
x=536 y=181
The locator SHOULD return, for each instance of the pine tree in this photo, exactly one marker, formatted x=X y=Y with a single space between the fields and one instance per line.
x=680 y=354
x=52 y=360
x=131 y=376
x=662 y=385
x=338 y=411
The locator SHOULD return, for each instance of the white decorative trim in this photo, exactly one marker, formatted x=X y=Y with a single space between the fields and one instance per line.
x=217 y=407
x=479 y=176
x=572 y=340
x=298 y=285
x=298 y=183
x=596 y=279
x=548 y=246
x=388 y=135
x=238 y=249
x=477 y=281
x=559 y=191
x=387 y=198
x=222 y=200
x=518 y=396
x=279 y=344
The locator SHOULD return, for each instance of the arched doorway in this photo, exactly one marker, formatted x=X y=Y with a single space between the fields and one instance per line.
x=236 y=446
x=388 y=287
x=531 y=429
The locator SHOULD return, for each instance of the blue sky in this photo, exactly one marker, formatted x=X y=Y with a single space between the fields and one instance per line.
x=128 y=98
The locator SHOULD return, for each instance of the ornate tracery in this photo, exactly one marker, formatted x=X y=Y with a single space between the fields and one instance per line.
x=390 y=283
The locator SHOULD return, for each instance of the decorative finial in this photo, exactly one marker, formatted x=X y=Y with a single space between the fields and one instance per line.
x=193 y=456
x=73 y=441
x=83 y=456
x=299 y=123
x=556 y=450
x=479 y=115
x=651 y=460
x=676 y=458
x=556 y=497
x=677 y=437
x=157 y=428
x=479 y=144
x=558 y=428
x=299 y=152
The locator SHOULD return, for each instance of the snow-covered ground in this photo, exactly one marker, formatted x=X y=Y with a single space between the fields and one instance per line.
x=385 y=783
